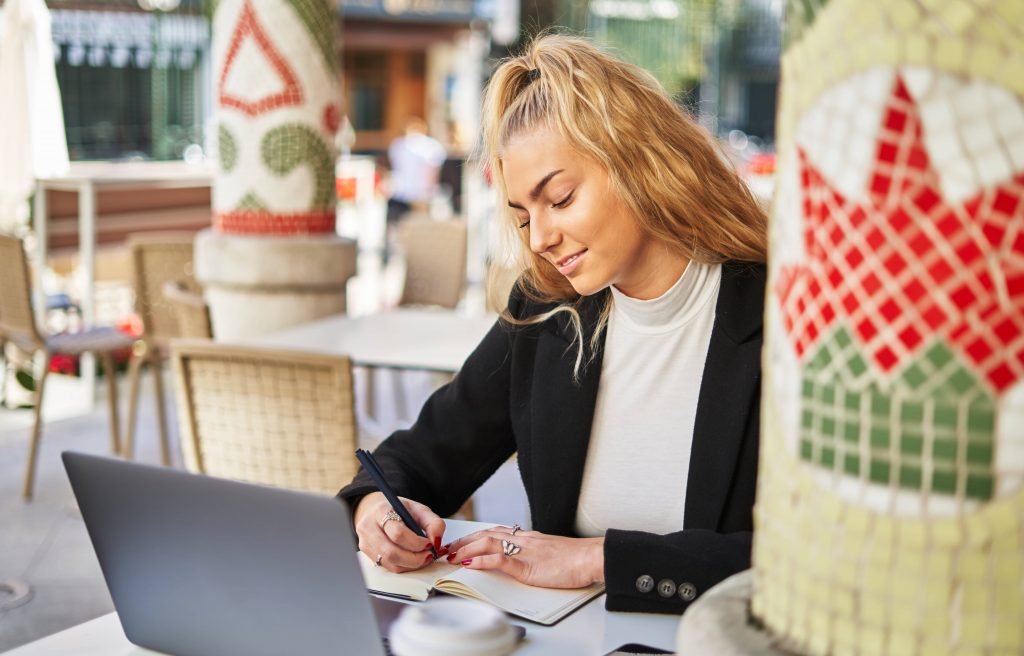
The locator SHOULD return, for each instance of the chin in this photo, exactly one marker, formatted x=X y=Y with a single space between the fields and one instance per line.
x=586 y=288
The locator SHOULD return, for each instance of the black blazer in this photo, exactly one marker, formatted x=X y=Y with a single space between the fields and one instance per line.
x=516 y=394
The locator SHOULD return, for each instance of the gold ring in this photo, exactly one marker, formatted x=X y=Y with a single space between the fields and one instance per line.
x=388 y=516
x=509 y=548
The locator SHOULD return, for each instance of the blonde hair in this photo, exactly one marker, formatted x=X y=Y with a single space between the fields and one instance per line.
x=666 y=169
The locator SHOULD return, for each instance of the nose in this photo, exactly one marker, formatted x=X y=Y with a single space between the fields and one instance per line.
x=543 y=235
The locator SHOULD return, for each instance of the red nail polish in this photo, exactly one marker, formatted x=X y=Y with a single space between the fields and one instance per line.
x=430 y=559
x=451 y=557
x=466 y=562
x=437 y=542
x=442 y=552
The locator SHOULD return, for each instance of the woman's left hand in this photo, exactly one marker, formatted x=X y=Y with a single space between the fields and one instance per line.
x=548 y=561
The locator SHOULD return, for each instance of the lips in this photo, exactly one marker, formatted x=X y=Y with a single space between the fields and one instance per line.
x=568 y=264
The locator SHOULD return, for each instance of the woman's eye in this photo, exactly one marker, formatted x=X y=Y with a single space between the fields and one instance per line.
x=562 y=203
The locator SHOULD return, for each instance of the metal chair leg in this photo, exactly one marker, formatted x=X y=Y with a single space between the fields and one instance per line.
x=165 y=447
x=115 y=422
x=37 y=427
x=134 y=373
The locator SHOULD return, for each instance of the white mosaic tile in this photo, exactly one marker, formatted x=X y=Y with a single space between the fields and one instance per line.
x=845 y=116
x=787 y=241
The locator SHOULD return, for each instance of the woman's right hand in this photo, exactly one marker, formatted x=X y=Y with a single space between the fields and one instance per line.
x=391 y=544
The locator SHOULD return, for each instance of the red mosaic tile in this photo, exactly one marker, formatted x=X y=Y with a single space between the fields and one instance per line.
x=933 y=265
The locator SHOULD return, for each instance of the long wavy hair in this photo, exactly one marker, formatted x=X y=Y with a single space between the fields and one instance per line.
x=667 y=170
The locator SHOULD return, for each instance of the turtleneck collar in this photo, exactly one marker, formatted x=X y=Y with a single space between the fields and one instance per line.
x=681 y=302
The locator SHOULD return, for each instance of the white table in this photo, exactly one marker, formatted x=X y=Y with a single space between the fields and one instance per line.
x=85 y=179
x=404 y=338
x=590 y=631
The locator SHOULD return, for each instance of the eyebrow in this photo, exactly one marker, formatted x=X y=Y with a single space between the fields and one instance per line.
x=537 y=188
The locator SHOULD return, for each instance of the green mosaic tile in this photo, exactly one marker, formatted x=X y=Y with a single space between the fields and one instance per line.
x=799 y=16
x=806 y=449
x=317 y=16
x=289 y=146
x=979 y=454
x=944 y=481
x=915 y=376
x=979 y=486
x=227 y=148
x=914 y=426
x=981 y=419
x=912 y=445
x=251 y=202
x=944 y=450
x=858 y=366
x=945 y=415
x=938 y=355
x=879 y=471
x=910 y=477
x=912 y=412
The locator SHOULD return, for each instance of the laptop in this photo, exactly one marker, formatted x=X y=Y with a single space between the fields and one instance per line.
x=204 y=566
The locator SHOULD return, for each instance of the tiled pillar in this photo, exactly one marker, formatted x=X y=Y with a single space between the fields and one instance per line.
x=890 y=512
x=273 y=258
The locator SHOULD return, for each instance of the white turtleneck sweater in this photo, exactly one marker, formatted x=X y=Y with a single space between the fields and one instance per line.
x=639 y=454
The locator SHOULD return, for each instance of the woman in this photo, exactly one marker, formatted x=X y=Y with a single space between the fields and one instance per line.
x=625 y=371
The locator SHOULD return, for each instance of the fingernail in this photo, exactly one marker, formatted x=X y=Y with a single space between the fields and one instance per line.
x=430 y=559
x=466 y=562
x=437 y=542
x=451 y=557
x=441 y=552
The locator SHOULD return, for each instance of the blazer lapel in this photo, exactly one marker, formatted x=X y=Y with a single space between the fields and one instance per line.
x=732 y=376
x=562 y=430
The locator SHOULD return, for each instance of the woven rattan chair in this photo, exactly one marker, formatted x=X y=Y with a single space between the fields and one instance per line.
x=156 y=258
x=18 y=326
x=435 y=261
x=191 y=310
x=282 y=418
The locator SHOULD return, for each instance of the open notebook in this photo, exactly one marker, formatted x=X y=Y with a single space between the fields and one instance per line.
x=541 y=605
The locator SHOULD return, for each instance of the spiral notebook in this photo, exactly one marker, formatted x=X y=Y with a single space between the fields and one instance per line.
x=542 y=605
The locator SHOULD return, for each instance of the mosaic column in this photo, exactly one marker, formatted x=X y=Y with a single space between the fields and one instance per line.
x=272 y=258
x=890 y=512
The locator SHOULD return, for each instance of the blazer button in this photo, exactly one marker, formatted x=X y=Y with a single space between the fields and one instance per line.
x=644 y=584
x=687 y=591
x=666 y=588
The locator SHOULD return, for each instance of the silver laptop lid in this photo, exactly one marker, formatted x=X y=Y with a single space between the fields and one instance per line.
x=204 y=566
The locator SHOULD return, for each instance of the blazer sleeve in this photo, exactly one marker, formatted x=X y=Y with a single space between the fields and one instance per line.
x=680 y=567
x=462 y=434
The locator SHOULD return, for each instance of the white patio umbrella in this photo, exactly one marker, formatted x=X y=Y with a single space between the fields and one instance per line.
x=32 y=140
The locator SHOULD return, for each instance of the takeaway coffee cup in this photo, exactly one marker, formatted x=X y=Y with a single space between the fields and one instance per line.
x=452 y=627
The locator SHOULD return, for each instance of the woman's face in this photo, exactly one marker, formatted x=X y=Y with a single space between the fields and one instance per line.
x=578 y=223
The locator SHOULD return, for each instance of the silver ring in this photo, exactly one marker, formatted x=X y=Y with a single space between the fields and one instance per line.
x=379 y=558
x=509 y=548
x=516 y=527
x=388 y=516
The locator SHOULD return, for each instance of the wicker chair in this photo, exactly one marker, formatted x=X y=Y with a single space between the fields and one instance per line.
x=156 y=258
x=435 y=261
x=18 y=326
x=191 y=310
x=282 y=418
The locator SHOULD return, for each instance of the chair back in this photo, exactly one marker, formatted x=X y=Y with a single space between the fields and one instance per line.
x=282 y=418
x=190 y=309
x=17 y=322
x=435 y=261
x=157 y=258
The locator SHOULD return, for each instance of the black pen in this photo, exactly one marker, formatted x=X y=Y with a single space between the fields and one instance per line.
x=373 y=469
